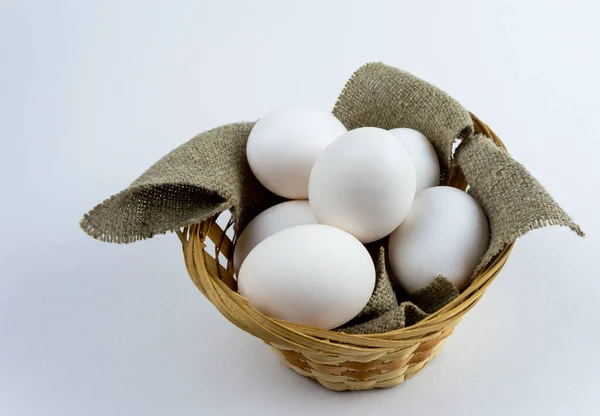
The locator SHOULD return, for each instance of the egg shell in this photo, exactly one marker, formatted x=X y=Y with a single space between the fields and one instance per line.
x=446 y=232
x=277 y=218
x=364 y=183
x=284 y=145
x=427 y=165
x=312 y=274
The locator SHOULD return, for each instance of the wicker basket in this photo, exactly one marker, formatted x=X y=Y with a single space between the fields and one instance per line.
x=336 y=360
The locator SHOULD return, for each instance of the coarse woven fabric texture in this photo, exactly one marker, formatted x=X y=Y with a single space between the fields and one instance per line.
x=378 y=95
x=513 y=200
x=407 y=310
x=199 y=179
x=210 y=174
x=384 y=297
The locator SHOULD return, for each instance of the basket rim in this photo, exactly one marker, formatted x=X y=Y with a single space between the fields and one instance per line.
x=215 y=282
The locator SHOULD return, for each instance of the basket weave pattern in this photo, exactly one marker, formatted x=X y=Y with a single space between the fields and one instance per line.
x=336 y=360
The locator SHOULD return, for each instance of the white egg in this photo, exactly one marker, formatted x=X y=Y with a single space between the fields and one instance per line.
x=283 y=146
x=363 y=183
x=278 y=217
x=424 y=157
x=446 y=232
x=314 y=275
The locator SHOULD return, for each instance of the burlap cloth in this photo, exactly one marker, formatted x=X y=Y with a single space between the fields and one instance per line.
x=210 y=174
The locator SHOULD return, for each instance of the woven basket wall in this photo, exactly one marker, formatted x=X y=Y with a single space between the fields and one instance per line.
x=336 y=360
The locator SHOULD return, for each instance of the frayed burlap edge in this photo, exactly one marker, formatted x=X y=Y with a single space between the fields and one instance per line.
x=513 y=200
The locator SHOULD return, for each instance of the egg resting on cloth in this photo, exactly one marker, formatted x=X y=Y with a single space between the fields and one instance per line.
x=210 y=173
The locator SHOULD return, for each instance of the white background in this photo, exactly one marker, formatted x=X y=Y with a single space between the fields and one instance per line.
x=92 y=93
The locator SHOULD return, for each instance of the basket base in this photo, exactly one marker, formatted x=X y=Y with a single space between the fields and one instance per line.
x=383 y=370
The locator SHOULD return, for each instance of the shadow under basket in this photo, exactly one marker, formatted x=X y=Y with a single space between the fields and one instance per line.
x=336 y=360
